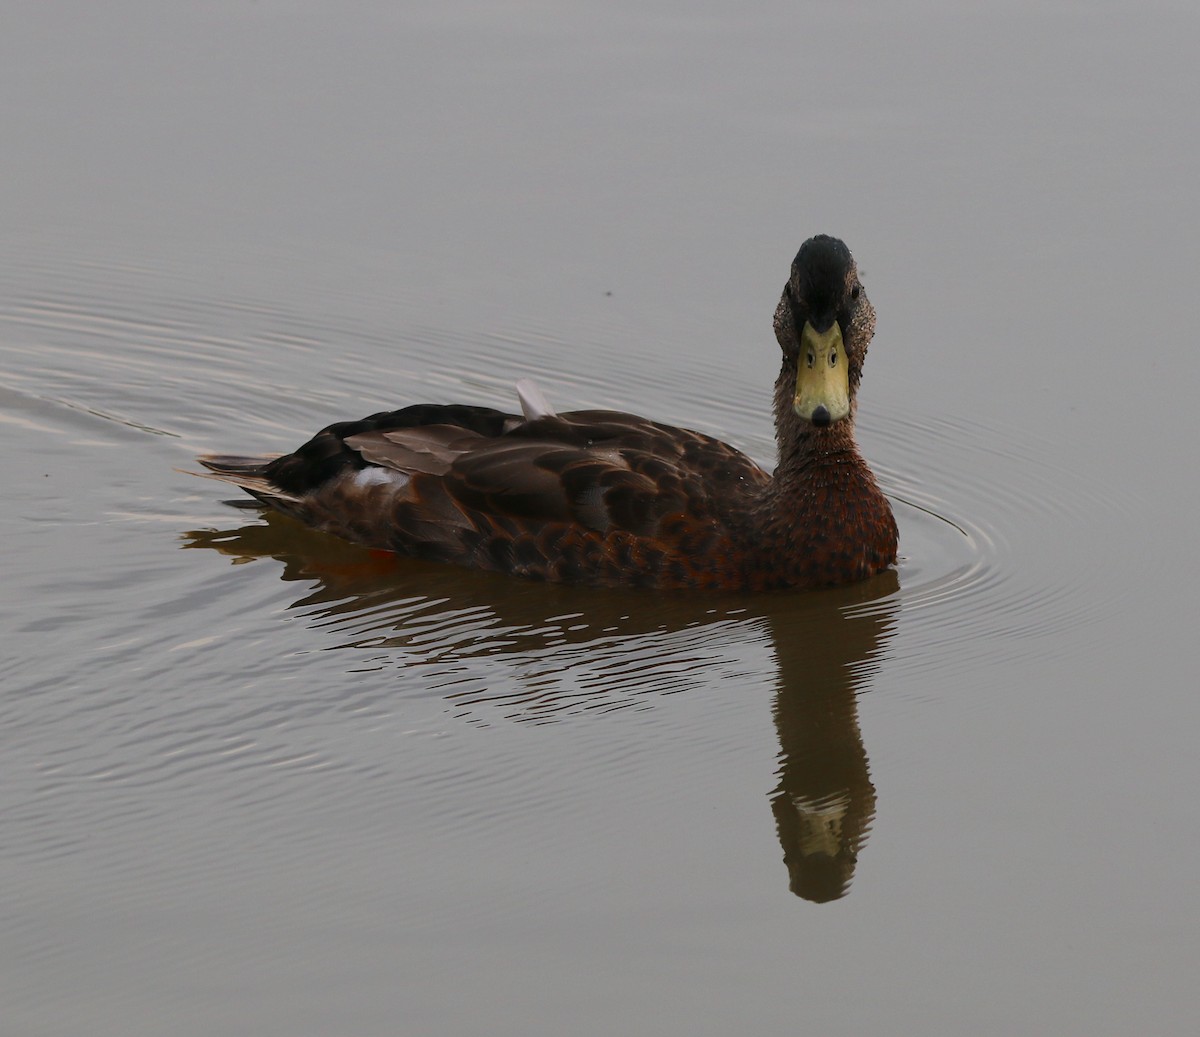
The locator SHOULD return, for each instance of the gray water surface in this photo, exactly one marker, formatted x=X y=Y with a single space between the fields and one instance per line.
x=257 y=781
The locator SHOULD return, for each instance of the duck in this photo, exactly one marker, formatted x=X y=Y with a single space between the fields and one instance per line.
x=610 y=499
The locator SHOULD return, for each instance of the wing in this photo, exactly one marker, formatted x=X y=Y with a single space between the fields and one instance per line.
x=598 y=470
x=499 y=491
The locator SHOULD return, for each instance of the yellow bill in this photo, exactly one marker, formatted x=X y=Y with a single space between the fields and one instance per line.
x=823 y=380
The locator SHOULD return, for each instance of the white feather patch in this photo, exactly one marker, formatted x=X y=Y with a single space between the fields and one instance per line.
x=534 y=404
x=376 y=475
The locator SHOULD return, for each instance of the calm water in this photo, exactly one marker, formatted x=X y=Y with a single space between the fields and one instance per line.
x=255 y=781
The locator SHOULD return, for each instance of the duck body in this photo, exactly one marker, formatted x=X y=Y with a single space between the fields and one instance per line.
x=608 y=498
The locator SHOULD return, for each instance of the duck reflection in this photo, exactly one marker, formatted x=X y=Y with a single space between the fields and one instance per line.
x=827 y=646
x=828 y=649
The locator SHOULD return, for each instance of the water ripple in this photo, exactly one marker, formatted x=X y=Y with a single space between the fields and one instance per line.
x=984 y=515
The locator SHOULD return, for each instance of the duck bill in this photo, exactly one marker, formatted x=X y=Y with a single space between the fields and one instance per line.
x=823 y=382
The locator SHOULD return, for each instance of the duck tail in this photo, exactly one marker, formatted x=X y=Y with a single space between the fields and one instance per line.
x=249 y=474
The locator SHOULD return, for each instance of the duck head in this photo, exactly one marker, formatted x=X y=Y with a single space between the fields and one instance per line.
x=824 y=323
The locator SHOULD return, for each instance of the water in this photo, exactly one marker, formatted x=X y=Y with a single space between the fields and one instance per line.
x=258 y=781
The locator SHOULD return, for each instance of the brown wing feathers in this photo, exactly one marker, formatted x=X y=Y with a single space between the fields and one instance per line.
x=589 y=495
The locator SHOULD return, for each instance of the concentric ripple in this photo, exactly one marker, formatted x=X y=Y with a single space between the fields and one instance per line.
x=983 y=515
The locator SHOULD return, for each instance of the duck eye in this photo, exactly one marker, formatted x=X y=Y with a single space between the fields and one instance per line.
x=856 y=291
x=811 y=358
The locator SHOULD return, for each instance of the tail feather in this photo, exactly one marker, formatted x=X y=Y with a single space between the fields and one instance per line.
x=236 y=464
x=249 y=473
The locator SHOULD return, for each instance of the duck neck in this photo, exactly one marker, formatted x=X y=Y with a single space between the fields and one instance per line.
x=808 y=455
x=822 y=503
x=814 y=463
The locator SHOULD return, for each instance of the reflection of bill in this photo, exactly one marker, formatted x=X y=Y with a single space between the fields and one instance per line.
x=825 y=802
x=633 y=645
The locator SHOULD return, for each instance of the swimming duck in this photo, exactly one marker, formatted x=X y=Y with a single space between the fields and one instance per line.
x=612 y=499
